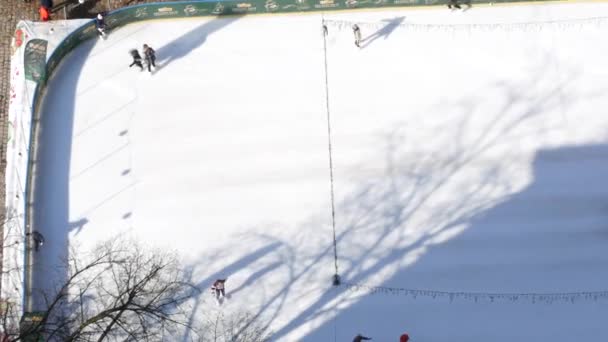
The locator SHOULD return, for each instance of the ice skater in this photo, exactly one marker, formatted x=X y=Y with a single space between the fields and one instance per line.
x=219 y=289
x=357 y=33
x=136 y=59
x=453 y=4
x=100 y=25
x=325 y=30
x=37 y=239
x=150 y=56
x=360 y=338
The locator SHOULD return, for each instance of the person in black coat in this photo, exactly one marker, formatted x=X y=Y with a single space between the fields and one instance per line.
x=150 y=56
x=100 y=25
x=360 y=338
x=48 y=4
x=357 y=32
x=454 y=4
x=37 y=239
x=136 y=59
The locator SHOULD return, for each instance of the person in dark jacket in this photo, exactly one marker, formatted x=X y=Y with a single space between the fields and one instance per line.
x=100 y=25
x=150 y=56
x=136 y=59
x=37 y=239
x=357 y=33
x=48 y=4
x=360 y=338
x=453 y=4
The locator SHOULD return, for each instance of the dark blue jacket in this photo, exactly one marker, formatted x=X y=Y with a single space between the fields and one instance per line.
x=100 y=23
x=46 y=3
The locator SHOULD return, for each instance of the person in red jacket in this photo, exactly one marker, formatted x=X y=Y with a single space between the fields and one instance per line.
x=45 y=14
x=45 y=10
x=404 y=338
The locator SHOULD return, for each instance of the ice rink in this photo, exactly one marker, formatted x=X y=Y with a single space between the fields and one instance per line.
x=469 y=155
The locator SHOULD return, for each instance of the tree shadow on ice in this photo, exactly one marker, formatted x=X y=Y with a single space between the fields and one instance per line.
x=548 y=237
x=385 y=31
x=212 y=259
x=398 y=226
x=191 y=40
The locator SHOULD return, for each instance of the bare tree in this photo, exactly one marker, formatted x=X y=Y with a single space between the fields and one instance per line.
x=123 y=292
x=12 y=249
x=237 y=327
x=119 y=292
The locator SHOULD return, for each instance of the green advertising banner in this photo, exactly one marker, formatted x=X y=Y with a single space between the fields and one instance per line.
x=73 y=40
x=30 y=325
x=231 y=7
x=34 y=59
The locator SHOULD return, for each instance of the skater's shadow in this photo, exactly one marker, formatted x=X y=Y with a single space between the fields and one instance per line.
x=184 y=44
x=157 y=68
x=385 y=31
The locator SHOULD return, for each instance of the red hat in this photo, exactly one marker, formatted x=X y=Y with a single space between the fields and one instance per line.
x=404 y=338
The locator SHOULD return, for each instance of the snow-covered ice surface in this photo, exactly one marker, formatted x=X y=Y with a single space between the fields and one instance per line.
x=470 y=154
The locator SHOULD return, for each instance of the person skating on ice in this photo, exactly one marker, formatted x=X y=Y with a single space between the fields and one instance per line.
x=360 y=338
x=37 y=239
x=150 y=56
x=357 y=33
x=136 y=59
x=100 y=24
x=219 y=288
x=452 y=4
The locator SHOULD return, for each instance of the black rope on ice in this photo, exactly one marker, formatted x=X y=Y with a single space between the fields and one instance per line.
x=336 y=278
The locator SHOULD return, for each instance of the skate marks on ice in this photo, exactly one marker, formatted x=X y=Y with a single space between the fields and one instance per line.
x=191 y=40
